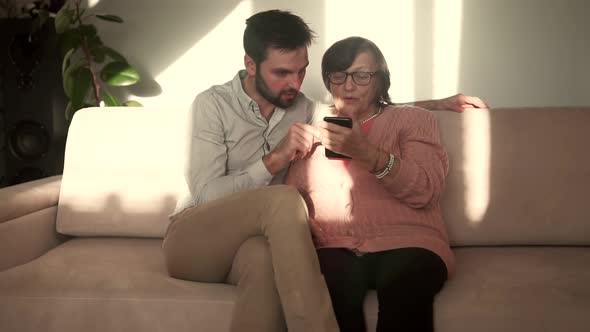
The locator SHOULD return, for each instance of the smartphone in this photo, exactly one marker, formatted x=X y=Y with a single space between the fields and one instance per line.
x=341 y=121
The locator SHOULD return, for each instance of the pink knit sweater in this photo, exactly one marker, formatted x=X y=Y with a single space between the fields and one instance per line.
x=350 y=208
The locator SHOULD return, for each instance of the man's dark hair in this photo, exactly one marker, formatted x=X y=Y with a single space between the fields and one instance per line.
x=341 y=55
x=275 y=29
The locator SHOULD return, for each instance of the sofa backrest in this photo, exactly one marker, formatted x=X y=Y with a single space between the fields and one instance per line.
x=517 y=176
x=123 y=171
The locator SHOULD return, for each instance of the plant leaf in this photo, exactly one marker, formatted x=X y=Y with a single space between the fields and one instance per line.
x=63 y=19
x=109 y=99
x=68 y=78
x=81 y=81
x=43 y=16
x=88 y=30
x=40 y=20
x=94 y=41
x=132 y=103
x=66 y=62
x=69 y=39
x=110 y=18
x=70 y=111
x=114 y=54
x=119 y=74
x=98 y=54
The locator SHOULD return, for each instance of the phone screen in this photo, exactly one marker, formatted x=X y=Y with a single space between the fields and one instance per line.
x=341 y=121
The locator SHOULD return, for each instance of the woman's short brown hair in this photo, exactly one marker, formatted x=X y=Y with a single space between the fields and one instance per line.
x=342 y=54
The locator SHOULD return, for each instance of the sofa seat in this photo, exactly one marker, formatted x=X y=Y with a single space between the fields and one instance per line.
x=89 y=284
x=503 y=288
x=86 y=282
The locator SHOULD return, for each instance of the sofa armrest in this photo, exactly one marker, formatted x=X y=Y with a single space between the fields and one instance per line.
x=25 y=198
x=27 y=221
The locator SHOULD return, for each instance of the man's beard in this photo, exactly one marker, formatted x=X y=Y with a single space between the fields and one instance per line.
x=276 y=100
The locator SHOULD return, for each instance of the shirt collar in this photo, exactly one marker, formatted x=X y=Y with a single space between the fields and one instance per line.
x=245 y=101
x=248 y=103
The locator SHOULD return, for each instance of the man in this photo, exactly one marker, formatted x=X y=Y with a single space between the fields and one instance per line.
x=236 y=228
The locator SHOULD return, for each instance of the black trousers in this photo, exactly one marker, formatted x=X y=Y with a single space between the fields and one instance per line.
x=406 y=281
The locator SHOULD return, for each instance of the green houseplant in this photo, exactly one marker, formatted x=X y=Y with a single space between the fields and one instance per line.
x=89 y=66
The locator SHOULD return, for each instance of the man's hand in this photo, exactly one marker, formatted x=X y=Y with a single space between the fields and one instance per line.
x=460 y=102
x=297 y=144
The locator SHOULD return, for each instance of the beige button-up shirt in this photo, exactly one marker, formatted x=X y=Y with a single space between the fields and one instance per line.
x=230 y=137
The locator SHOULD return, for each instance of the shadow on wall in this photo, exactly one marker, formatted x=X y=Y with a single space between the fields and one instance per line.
x=166 y=31
x=524 y=53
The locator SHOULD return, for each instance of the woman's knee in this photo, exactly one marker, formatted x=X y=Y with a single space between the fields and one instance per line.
x=411 y=272
x=345 y=277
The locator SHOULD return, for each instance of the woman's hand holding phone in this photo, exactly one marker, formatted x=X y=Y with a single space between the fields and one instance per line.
x=342 y=122
x=343 y=138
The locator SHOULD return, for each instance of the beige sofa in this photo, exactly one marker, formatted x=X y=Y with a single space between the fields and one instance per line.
x=82 y=252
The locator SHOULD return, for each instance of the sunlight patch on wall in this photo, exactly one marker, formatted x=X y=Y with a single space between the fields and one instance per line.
x=389 y=24
x=213 y=60
x=92 y=3
x=476 y=156
x=448 y=18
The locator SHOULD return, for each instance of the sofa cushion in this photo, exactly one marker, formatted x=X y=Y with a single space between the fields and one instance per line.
x=119 y=284
x=517 y=289
x=28 y=197
x=123 y=172
x=512 y=289
x=108 y=284
x=517 y=176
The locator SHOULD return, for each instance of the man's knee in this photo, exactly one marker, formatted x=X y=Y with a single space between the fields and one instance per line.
x=188 y=251
x=176 y=255
x=286 y=199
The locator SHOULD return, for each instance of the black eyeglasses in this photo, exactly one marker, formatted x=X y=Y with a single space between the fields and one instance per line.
x=358 y=77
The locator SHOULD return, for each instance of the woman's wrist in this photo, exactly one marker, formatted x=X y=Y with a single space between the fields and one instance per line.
x=388 y=167
x=375 y=163
x=380 y=162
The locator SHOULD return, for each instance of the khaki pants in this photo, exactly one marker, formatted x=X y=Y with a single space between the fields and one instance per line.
x=228 y=240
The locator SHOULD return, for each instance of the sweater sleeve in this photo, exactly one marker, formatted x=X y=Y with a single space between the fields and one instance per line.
x=423 y=161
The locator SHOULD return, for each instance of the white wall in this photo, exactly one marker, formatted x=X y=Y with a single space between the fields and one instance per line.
x=582 y=64
x=509 y=52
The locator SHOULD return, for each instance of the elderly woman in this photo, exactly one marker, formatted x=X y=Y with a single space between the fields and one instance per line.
x=375 y=218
